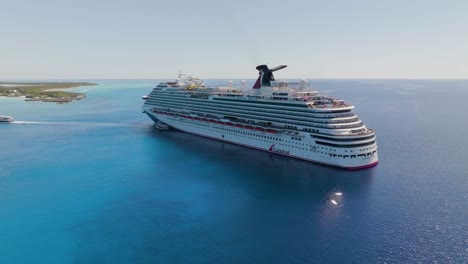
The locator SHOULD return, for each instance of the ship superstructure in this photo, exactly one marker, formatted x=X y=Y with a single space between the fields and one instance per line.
x=289 y=119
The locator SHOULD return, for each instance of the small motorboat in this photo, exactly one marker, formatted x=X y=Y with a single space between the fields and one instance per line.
x=145 y=97
x=6 y=119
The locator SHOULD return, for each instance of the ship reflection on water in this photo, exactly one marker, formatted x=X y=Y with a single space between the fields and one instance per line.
x=261 y=197
x=241 y=164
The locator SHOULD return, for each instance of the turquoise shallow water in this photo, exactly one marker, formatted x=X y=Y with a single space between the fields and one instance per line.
x=93 y=182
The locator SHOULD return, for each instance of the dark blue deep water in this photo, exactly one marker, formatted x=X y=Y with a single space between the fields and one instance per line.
x=93 y=182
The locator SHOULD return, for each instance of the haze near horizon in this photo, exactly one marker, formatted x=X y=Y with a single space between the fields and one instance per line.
x=66 y=39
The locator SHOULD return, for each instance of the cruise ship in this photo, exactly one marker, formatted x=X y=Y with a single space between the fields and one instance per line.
x=285 y=118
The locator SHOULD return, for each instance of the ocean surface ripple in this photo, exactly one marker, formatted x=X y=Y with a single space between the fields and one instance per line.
x=93 y=182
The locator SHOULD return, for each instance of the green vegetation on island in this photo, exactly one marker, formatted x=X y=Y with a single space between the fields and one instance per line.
x=43 y=91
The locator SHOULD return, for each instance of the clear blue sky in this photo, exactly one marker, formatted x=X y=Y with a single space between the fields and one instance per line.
x=227 y=39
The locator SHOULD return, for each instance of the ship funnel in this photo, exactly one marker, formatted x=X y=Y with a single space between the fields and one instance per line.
x=266 y=75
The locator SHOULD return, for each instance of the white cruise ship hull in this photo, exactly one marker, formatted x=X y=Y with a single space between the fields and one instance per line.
x=276 y=143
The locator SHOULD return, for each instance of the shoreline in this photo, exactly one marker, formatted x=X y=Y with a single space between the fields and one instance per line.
x=43 y=91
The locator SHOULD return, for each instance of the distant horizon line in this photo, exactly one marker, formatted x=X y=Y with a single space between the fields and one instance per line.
x=354 y=78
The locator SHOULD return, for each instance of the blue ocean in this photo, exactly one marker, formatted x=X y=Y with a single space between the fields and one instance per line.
x=92 y=181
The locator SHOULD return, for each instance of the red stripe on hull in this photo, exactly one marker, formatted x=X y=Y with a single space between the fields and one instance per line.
x=363 y=167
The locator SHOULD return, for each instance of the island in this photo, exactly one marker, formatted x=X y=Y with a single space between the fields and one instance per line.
x=43 y=91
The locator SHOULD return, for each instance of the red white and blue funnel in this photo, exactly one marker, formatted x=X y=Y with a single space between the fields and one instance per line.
x=265 y=75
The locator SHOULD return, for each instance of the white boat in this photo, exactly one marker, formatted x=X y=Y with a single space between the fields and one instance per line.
x=285 y=118
x=145 y=97
x=161 y=126
x=6 y=119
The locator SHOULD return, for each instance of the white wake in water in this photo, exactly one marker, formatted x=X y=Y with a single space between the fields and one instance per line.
x=75 y=123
